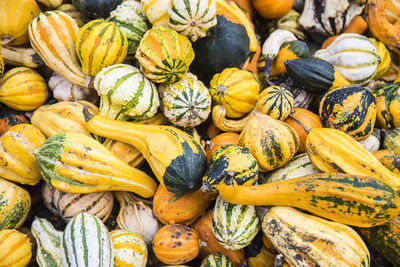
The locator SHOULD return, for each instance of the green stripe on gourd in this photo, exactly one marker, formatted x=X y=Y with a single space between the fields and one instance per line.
x=216 y=259
x=276 y=102
x=392 y=141
x=234 y=226
x=388 y=102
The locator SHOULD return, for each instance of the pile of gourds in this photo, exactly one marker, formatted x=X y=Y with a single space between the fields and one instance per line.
x=199 y=132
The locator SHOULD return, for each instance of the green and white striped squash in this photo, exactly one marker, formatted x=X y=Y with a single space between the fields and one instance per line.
x=125 y=93
x=87 y=242
x=187 y=102
x=216 y=259
x=192 y=18
x=234 y=226
x=353 y=55
x=299 y=166
x=67 y=206
x=129 y=249
x=48 y=241
x=276 y=102
x=131 y=20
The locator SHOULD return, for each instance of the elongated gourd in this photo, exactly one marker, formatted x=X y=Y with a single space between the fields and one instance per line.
x=361 y=201
x=331 y=150
x=18 y=56
x=176 y=158
x=75 y=163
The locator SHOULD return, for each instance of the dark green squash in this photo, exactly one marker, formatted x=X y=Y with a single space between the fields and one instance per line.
x=10 y=117
x=96 y=8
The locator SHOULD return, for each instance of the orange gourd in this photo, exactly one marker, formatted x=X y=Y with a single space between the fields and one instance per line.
x=272 y=9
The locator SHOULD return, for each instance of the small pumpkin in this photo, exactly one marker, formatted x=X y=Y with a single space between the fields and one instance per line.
x=218 y=141
x=15 y=248
x=96 y=8
x=129 y=249
x=276 y=102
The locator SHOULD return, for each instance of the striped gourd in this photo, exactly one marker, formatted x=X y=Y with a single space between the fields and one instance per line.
x=15 y=204
x=15 y=248
x=129 y=249
x=48 y=241
x=228 y=163
x=353 y=55
x=299 y=166
x=391 y=141
x=234 y=225
x=192 y=18
x=307 y=240
x=164 y=55
x=131 y=20
x=384 y=55
x=125 y=93
x=187 y=102
x=387 y=105
x=216 y=259
x=86 y=242
x=276 y=102
x=52 y=35
x=67 y=205
x=99 y=44
x=156 y=11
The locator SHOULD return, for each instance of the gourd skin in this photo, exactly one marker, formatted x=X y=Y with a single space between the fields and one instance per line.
x=276 y=102
x=388 y=105
x=129 y=249
x=216 y=259
x=15 y=248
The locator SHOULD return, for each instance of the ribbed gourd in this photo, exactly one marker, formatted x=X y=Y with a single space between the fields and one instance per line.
x=276 y=102
x=384 y=55
x=234 y=225
x=164 y=55
x=15 y=248
x=99 y=44
x=14 y=206
x=216 y=259
x=230 y=162
x=307 y=240
x=192 y=18
x=391 y=141
x=387 y=105
x=187 y=102
x=353 y=55
x=86 y=242
x=351 y=109
x=23 y=89
x=64 y=157
x=156 y=11
x=125 y=93
x=129 y=249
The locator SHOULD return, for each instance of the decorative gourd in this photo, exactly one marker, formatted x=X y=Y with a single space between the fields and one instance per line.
x=192 y=19
x=223 y=123
x=64 y=157
x=361 y=201
x=307 y=240
x=15 y=18
x=187 y=102
x=387 y=105
x=125 y=93
x=388 y=159
x=385 y=239
x=74 y=13
x=86 y=242
x=51 y=3
x=176 y=158
x=15 y=248
x=10 y=117
x=384 y=55
x=331 y=150
x=61 y=117
x=342 y=53
x=14 y=206
x=156 y=11
x=315 y=75
x=164 y=55
x=228 y=163
x=176 y=244
x=276 y=102
x=234 y=226
x=67 y=206
x=216 y=260
x=373 y=142
x=17 y=162
x=273 y=9
x=131 y=20
x=19 y=56
x=56 y=46
x=289 y=22
x=351 y=109
x=23 y=89
x=302 y=120
x=172 y=208
x=48 y=241
x=237 y=90
x=135 y=216
x=272 y=142
x=220 y=140
x=96 y=8
x=391 y=141
x=258 y=255
x=129 y=249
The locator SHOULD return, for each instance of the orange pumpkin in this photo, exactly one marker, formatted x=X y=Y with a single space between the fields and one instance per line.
x=225 y=138
x=273 y=9
x=302 y=120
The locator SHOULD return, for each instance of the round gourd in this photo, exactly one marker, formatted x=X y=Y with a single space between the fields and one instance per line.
x=351 y=109
x=23 y=89
x=15 y=248
x=384 y=55
x=129 y=249
x=156 y=11
x=192 y=18
x=276 y=102
x=187 y=102
x=392 y=141
x=176 y=244
x=96 y=8
x=218 y=141
x=164 y=55
x=131 y=20
x=216 y=260
x=387 y=105
x=271 y=9
x=99 y=44
x=234 y=226
x=237 y=90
